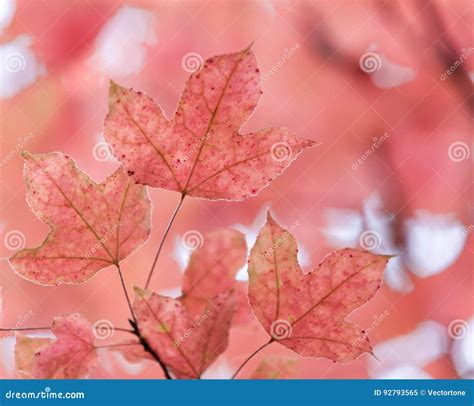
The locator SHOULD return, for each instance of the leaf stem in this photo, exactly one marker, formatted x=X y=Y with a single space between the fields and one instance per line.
x=127 y=330
x=24 y=328
x=126 y=293
x=136 y=329
x=168 y=227
x=251 y=356
x=116 y=345
x=150 y=350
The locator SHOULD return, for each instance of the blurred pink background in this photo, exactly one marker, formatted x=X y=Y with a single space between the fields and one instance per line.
x=393 y=78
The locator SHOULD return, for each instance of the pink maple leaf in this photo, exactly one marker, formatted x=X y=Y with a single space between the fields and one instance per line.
x=200 y=152
x=306 y=312
x=92 y=225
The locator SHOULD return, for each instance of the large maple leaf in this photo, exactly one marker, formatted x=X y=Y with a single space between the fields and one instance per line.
x=187 y=345
x=92 y=225
x=307 y=312
x=71 y=355
x=200 y=152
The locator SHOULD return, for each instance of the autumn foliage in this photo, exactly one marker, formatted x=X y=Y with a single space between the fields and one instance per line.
x=200 y=152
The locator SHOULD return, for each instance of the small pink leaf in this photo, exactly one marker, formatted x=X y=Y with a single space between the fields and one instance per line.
x=71 y=355
x=200 y=152
x=275 y=367
x=92 y=225
x=212 y=268
x=186 y=345
x=306 y=312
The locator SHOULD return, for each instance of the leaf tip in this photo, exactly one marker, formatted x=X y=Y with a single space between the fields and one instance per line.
x=113 y=88
x=388 y=257
x=269 y=217
x=141 y=293
x=249 y=47
x=373 y=355
x=112 y=84
x=312 y=143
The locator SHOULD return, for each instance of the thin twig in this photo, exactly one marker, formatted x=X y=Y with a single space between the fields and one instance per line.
x=126 y=293
x=251 y=356
x=168 y=227
x=150 y=350
x=136 y=329
x=126 y=330
x=24 y=328
x=116 y=345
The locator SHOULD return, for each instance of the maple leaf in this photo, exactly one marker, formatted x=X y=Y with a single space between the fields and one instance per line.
x=185 y=344
x=92 y=225
x=212 y=268
x=306 y=312
x=200 y=152
x=71 y=355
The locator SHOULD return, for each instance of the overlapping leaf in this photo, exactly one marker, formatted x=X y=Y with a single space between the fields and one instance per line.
x=275 y=367
x=200 y=151
x=185 y=344
x=71 y=355
x=212 y=268
x=92 y=225
x=307 y=312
